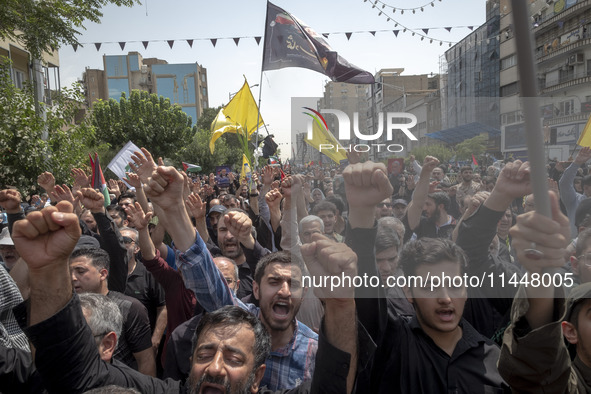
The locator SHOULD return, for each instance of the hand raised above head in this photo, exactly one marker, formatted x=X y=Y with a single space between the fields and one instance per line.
x=366 y=184
x=165 y=187
x=137 y=217
x=46 y=238
x=10 y=200
x=326 y=258
x=240 y=226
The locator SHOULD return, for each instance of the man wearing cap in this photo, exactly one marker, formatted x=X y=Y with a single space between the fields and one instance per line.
x=214 y=217
x=399 y=208
x=534 y=357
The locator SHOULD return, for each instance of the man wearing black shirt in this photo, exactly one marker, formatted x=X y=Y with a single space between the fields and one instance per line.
x=89 y=269
x=231 y=344
x=437 y=351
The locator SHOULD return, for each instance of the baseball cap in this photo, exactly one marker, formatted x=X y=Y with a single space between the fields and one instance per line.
x=217 y=208
x=400 y=201
x=577 y=294
x=5 y=237
x=87 y=242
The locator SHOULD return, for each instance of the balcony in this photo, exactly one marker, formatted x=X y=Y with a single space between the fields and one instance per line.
x=565 y=80
x=564 y=50
x=549 y=21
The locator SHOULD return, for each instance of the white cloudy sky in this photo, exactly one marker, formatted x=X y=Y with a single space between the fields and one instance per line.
x=227 y=63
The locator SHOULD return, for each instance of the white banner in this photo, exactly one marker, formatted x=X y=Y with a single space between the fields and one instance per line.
x=120 y=163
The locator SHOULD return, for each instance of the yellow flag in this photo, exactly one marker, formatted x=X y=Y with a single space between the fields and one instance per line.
x=321 y=135
x=240 y=114
x=219 y=126
x=245 y=172
x=585 y=138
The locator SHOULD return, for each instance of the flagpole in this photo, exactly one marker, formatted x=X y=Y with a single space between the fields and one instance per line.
x=256 y=138
x=531 y=110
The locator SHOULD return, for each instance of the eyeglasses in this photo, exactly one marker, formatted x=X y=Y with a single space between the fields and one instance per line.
x=229 y=280
x=128 y=240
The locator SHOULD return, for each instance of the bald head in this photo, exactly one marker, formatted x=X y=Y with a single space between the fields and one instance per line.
x=229 y=271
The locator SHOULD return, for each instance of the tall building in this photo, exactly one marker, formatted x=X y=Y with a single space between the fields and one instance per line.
x=394 y=92
x=184 y=84
x=470 y=84
x=47 y=69
x=346 y=97
x=562 y=34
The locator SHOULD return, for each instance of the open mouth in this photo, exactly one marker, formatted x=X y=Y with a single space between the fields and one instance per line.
x=212 y=389
x=281 y=309
x=446 y=315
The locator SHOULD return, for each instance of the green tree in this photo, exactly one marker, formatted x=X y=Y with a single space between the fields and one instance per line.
x=474 y=146
x=43 y=26
x=29 y=145
x=442 y=152
x=148 y=120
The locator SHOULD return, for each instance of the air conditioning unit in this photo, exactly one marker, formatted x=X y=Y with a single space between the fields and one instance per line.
x=572 y=59
x=144 y=68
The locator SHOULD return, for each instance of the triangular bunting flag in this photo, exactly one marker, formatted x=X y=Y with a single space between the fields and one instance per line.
x=373 y=33
x=426 y=31
x=190 y=42
x=214 y=41
x=258 y=40
x=448 y=28
x=97 y=45
x=170 y=43
x=122 y=45
x=471 y=27
x=325 y=35
x=75 y=46
x=145 y=44
x=348 y=35
x=395 y=32
x=236 y=40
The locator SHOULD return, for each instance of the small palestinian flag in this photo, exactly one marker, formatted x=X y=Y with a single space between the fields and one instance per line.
x=188 y=167
x=98 y=179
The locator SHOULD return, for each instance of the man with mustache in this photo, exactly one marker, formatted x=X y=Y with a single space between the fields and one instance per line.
x=231 y=344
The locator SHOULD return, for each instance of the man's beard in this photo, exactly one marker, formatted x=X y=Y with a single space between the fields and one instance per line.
x=195 y=387
x=237 y=252
x=433 y=218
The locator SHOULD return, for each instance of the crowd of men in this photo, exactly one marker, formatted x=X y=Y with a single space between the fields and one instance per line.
x=216 y=284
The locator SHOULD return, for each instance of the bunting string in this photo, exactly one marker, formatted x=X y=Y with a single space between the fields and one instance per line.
x=402 y=9
x=414 y=31
x=258 y=39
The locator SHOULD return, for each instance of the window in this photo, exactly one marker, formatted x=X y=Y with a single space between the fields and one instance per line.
x=19 y=79
x=567 y=107
x=508 y=62
x=509 y=90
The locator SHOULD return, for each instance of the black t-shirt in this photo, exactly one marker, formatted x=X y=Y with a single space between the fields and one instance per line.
x=135 y=334
x=142 y=286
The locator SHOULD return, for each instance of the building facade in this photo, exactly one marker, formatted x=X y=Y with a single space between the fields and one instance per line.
x=562 y=34
x=184 y=84
x=23 y=68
